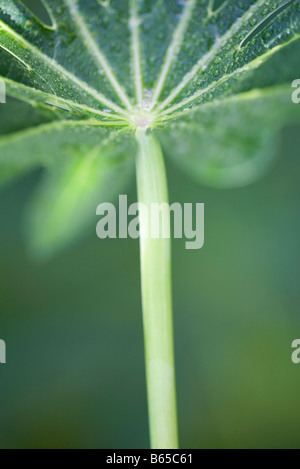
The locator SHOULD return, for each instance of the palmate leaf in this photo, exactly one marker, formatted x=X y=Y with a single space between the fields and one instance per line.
x=211 y=78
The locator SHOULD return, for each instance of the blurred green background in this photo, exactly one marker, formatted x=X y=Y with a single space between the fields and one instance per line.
x=74 y=376
x=75 y=371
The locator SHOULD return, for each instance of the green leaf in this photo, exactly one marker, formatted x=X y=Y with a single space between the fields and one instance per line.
x=21 y=116
x=50 y=144
x=212 y=78
x=233 y=141
x=65 y=204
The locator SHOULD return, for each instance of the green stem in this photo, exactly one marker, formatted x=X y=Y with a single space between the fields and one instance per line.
x=157 y=297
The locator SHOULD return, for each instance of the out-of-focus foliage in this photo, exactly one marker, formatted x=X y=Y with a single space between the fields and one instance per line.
x=75 y=363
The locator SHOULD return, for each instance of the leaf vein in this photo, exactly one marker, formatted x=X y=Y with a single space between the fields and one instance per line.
x=206 y=59
x=173 y=49
x=245 y=68
x=63 y=72
x=96 y=52
x=134 y=24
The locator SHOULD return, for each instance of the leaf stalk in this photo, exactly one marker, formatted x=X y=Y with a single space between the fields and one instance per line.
x=157 y=297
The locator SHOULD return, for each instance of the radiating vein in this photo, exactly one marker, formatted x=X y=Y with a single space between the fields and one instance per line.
x=96 y=52
x=206 y=59
x=35 y=97
x=244 y=96
x=134 y=24
x=265 y=21
x=245 y=68
x=28 y=67
x=210 y=9
x=174 y=48
x=27 y=46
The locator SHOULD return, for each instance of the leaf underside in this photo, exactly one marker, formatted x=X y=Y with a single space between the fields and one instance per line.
x=211 y=78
